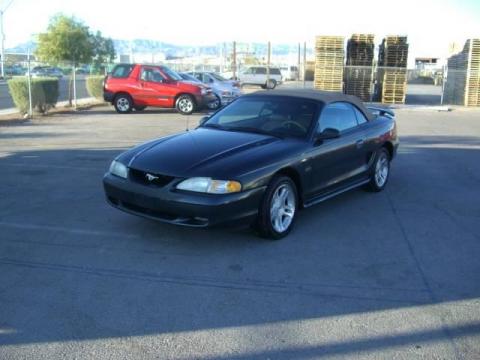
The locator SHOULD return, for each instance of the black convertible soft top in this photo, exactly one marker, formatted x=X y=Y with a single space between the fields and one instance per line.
x=326 y=97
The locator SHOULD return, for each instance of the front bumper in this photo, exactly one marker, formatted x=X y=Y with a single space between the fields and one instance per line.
x=108 y=96
x=179 y=207
x=227 y=99
x=203 y=100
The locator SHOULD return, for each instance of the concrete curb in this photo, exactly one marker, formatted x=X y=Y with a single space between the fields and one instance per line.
x=83 y=101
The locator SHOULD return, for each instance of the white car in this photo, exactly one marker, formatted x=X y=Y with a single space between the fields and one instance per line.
x=289 y=72
x=257 y=75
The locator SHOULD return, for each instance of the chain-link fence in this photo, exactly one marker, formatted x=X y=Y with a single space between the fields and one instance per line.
x=296 y=62
x=29 y=80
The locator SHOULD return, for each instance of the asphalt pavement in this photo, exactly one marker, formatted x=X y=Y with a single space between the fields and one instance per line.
x=388 y=275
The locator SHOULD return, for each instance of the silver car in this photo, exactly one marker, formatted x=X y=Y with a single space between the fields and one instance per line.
x=225 y=90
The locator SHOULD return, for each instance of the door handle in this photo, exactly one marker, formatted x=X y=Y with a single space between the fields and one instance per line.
x=360 y=143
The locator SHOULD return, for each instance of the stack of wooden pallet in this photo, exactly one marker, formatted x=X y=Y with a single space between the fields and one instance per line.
x=392 y=70
x=329 y=57
x=463 y=76
x=359 y=69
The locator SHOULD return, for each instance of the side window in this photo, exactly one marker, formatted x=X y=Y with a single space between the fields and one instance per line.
x=152 y=75
x=207 y=79
x=198 y=76
x=122 y=71
x=361 y=119
x=275 y=71
x=260 y=71
x=340 y=116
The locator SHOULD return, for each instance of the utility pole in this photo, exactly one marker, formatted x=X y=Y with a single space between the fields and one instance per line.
x=298 y=62
x=234 y=60
x=304 y=61
x=2 y=35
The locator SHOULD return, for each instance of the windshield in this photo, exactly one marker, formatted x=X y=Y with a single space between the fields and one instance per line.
x=171 y=74
x=276 y=116
x=189 y=77
x=217 y=77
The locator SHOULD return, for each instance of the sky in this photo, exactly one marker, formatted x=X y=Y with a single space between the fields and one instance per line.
x=430 y=25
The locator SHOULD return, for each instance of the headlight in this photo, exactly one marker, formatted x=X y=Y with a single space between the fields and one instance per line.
x=203 y=91
x=208 y=185
x=118 y=169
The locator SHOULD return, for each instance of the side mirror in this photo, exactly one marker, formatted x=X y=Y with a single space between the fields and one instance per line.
x=203 y=120
x=328 y=133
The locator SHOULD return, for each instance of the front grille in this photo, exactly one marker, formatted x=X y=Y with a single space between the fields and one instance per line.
x=148 y=178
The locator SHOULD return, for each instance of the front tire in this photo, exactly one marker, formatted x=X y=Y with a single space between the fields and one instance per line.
x=278 y=208
x=216 y=104
x=380 y=171
x=185 y=104
x=271 y=84
x=123 y=103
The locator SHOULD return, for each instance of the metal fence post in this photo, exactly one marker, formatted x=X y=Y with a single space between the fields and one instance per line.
x=444 y=78
x=74 y=87
x=234 y=61
x=268 y=63
x=304 y=63
x=29 y=82
x=298 y=62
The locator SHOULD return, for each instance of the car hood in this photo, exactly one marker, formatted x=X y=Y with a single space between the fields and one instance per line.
x=200 y=152
x=225 y=86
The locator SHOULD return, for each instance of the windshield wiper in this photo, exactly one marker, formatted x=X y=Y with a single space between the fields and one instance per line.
x=214 y=126
x=253 y=130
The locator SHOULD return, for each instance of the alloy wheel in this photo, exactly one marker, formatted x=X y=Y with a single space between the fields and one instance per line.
x=381 y=170
x=185 y=105
x=123 y=104
x=282 y=208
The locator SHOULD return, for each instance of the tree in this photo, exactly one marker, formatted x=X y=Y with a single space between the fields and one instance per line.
x=70 y=40
x=103 y=50
x=66 y=40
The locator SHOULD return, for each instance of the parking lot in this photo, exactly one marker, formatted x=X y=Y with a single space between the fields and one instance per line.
x=388 y=275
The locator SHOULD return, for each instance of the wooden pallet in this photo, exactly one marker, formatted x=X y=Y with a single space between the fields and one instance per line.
x=329 y=61
x=358 y=74
x=393 y=52
x=462 y=86
x=391 y=82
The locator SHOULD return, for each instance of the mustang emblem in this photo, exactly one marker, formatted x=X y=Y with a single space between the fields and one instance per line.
x=151 y=177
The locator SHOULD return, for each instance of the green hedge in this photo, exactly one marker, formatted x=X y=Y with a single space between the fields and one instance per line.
x=44 y=93
x=95 y=86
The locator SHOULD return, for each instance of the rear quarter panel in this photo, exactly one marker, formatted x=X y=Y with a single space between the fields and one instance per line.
x=380 y=131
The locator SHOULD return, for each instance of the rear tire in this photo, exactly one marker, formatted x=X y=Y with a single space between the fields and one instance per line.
x=185 y=104
x=270 y=84
x=123 y=103
x=278 y=208
x=380 y=171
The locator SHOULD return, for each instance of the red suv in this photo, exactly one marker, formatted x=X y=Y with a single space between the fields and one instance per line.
x=134 y=86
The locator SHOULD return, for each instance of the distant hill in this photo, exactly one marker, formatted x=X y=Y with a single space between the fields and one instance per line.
x=145 y=46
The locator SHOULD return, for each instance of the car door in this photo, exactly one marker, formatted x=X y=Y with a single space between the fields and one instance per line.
x=151 y=88
x=337 y=162
x=260 y=76
x=247 y=76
